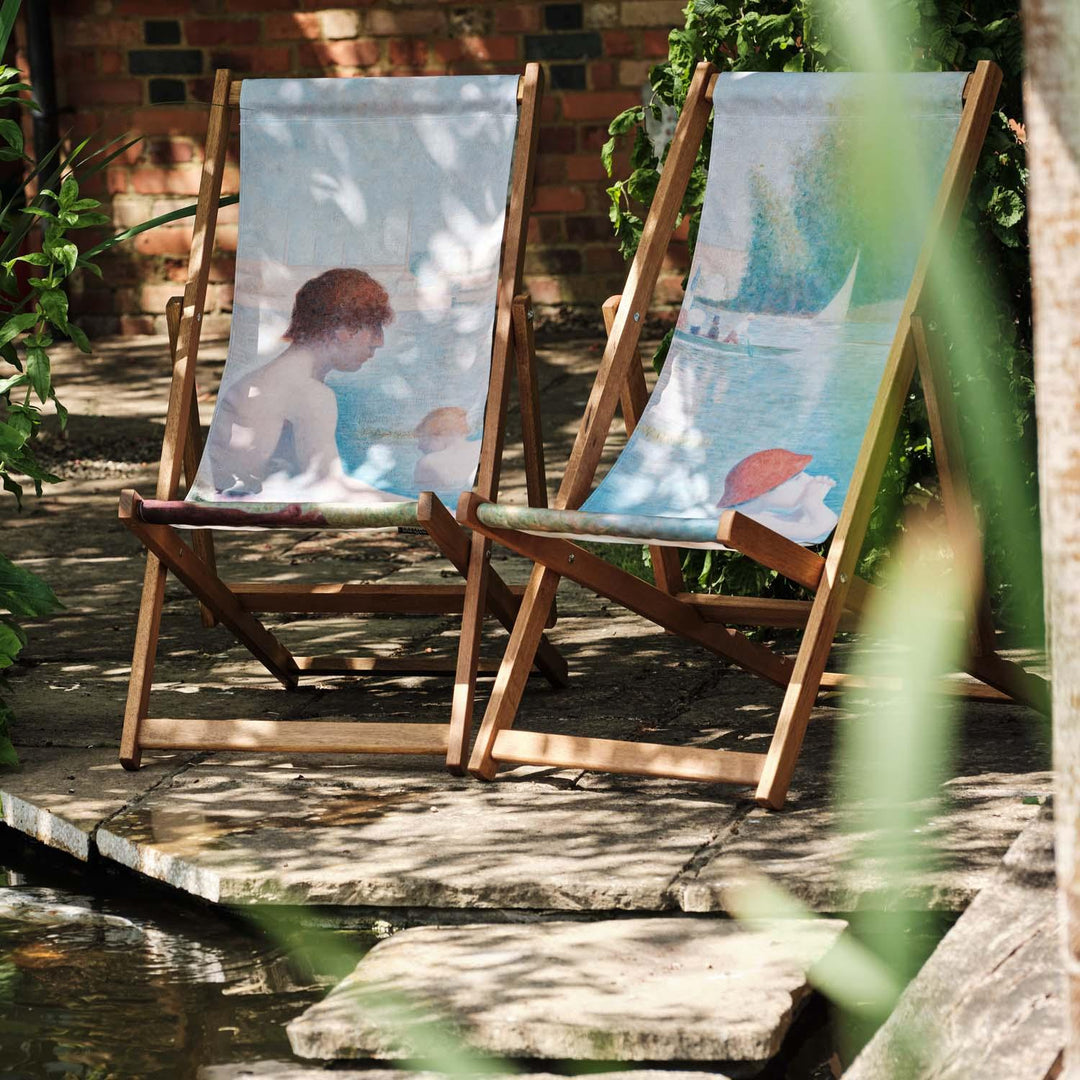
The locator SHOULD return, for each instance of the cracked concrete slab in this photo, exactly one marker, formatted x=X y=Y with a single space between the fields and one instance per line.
x=60 y=797
x=364 y=836
x=622 y=990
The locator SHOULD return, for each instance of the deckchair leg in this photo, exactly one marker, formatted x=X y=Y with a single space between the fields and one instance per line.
x=472 y=621
x=514 y=671
x=484 y=591
x=142 y=661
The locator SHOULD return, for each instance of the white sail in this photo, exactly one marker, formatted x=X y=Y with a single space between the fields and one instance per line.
x=837 y=308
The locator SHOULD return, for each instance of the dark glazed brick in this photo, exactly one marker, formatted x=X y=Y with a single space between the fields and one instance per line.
x=567 y=76
x=563 y=46
x=563 y=16
x=162 y=32
x=163 y=91
x=165 y=62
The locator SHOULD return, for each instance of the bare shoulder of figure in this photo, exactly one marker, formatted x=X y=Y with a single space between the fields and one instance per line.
x=311 y=401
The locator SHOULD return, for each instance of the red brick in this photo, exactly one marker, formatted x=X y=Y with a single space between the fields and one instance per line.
x=258 y=7
x=226 y=237
x=221 y=31
x=490 y=48
x=387 y=23
x=654 y=43
x=557 y=199
x=171 y=120
x=544 y=290
x=447 y=51
x=517 y=18
x=258 y=60
x=169 y=151
x=154 y=297
x=603 y=260
x=223 y=268
x=133 y=325
x=593 y=136
x=549 y=109
x=180 y=180
x=111 y=61
x=620 y=43
x=634 y=72
x=558 y=140
x=362 y=53
x=408 y=53
x=294 y=26
x=585 y=167
x=100 y=32
x=601 y=75
x=110 y=92
x=582 y=105
x=117 y=180
x=156 y=8
x=79 y=63
x=339 y=24
x=552 y=229
x=550 y=169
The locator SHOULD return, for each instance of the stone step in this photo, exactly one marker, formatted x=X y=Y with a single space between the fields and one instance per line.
x=624 y=990
x=290 y=1070
x=991 y=1001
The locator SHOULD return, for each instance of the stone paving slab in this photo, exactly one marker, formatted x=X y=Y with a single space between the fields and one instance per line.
x=361 y=836
x=618 y=990
x=288 y=1070
x=60 y=796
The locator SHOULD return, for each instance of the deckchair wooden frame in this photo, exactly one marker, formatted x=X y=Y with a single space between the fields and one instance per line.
x=233 y=603
x=839 y=594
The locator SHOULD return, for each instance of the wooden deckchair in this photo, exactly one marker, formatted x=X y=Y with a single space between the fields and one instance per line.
x=707 y=619
x=155 y=521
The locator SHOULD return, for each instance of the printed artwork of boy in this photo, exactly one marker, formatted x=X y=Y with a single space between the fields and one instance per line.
x=772 y=487
x=449 y=457
x=279 y=422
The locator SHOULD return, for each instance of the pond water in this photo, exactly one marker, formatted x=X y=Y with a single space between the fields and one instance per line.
x=114 y=986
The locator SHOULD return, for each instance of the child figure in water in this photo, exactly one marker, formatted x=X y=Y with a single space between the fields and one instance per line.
x=449 y=461
x=771 y=487
x=337 y=324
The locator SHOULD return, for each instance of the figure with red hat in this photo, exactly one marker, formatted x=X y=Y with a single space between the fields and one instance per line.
x=772 y=487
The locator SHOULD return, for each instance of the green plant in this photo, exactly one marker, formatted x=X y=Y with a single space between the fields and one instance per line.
x=33 y=312
x=807 y=35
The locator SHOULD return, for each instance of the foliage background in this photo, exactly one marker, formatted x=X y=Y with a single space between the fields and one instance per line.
x=804 y=35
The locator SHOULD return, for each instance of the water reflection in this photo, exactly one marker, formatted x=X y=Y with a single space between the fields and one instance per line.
x=124 y=987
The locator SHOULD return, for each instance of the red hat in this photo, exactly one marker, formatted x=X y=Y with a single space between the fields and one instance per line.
x=761 y=472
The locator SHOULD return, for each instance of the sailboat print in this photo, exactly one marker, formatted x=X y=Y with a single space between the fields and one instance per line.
x=738 y=340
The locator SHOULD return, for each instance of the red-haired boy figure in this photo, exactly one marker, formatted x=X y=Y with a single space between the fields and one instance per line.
x=337 y=324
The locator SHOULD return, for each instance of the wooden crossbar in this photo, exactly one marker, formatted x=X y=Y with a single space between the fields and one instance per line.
x=352 y=599
x=387 y=665
x=294 y=736
x=634 y=758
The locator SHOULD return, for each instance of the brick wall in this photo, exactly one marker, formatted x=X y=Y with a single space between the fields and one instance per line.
x=146 y=66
